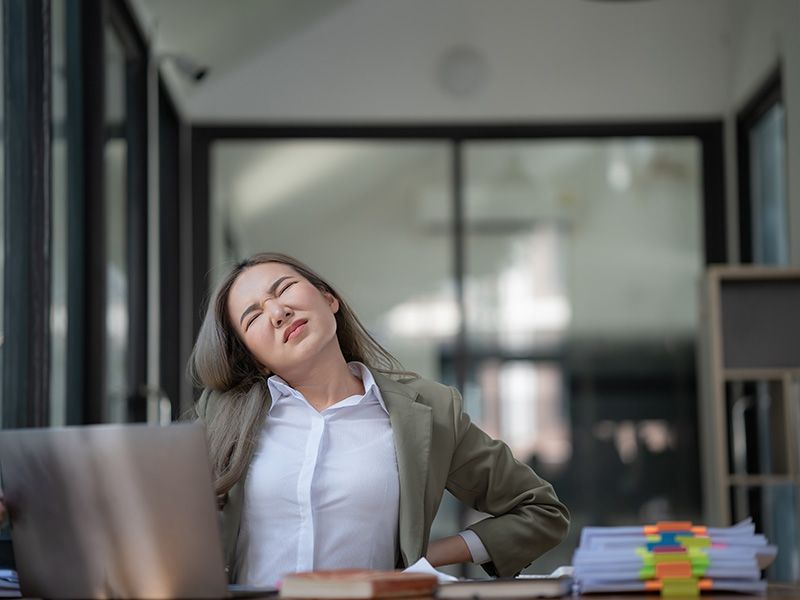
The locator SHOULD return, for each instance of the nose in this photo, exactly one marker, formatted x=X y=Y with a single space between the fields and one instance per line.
x=278 y=313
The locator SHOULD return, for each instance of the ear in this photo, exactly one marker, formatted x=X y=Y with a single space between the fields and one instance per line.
x=332 y=301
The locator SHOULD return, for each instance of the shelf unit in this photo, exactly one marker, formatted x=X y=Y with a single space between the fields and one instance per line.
x=750 y=410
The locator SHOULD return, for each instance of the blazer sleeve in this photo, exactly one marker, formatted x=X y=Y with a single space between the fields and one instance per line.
x=527 y=519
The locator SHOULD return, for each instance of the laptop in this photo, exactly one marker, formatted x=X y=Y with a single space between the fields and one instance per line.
x=114 y=511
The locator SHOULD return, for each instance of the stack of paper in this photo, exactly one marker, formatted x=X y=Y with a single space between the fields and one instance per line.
x=673 y=558
x=9 y=584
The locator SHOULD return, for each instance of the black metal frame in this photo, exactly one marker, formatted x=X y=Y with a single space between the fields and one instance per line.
x=76 y=215
x=28 y=124
x=171 y=368
x=709 y=133
x=119 y=17
x=86 y=380
x=768 y=95
x=88 y=256
x=27 y=116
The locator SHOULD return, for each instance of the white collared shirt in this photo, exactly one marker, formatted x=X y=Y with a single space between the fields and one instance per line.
x=323 y=489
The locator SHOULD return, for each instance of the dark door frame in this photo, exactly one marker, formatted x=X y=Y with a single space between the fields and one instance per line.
x=87 y=296
x=709 y=133
x=768 y=95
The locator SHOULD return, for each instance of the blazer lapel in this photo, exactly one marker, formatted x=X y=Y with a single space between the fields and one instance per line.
x=412 y=427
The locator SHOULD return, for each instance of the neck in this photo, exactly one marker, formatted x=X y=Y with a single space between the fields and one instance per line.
x=327 y=383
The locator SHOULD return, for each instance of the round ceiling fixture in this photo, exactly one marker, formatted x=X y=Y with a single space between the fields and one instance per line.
x=463 y=71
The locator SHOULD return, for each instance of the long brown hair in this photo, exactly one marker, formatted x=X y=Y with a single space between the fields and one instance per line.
x=222 y=363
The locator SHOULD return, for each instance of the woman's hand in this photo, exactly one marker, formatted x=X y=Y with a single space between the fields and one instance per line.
x=448 y=551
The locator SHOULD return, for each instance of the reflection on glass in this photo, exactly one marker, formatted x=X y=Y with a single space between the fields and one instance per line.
x=775 y=507
x=58 y=310
x=373 y=217
x=524 y=407
x=359 y=213
x=768 y=188
x=115 y=169
x=582 y=260
x=758 y=441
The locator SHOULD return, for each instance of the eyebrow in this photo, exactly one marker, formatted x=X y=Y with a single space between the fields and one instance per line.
x=271 y=292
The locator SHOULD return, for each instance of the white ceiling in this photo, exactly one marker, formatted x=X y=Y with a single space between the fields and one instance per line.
x=378 y=60
x=219 y=35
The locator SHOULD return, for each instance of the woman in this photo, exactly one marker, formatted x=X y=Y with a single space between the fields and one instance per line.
x=327 y=455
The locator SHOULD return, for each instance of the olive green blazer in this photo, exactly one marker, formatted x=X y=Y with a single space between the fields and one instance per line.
x=439 y=448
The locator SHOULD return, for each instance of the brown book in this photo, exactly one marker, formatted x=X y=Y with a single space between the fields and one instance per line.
x=357 y=583
x=521 y=587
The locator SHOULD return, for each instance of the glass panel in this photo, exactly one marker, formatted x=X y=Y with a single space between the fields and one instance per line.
x=756 y=421
x=372 y=217
x=2 y=214
x=58 y=314
x=116 y=191
x=582 y=260
x=775 y=510
x=768 y=187
x=582 y=263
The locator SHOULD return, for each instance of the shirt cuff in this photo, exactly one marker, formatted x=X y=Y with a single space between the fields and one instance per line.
x=476 y=547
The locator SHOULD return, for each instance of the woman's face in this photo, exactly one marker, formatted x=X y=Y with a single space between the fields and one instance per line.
x=285 y=322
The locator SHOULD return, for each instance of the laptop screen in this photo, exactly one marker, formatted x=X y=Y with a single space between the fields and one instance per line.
x=113 y=511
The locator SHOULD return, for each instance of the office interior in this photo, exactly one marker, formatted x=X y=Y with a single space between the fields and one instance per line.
x=518 y=197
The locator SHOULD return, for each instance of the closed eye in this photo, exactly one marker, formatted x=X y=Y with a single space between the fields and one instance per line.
x=286 y=287
x=251 y=321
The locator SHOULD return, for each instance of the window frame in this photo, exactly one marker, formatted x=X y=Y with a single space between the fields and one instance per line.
x=27 y=155
x=769 y=93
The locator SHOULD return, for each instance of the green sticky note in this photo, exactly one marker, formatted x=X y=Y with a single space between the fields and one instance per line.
x=679 y=587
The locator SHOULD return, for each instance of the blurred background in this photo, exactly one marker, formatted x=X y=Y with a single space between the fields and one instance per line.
x=518 y=197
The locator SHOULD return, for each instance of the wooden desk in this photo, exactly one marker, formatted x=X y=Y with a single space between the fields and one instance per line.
x=774 y=590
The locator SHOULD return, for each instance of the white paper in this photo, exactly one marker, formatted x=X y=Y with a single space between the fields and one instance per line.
x=423 y=566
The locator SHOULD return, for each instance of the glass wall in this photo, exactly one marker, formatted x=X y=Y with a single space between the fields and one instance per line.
x=59 y=194
x=573 y=305
x=2 y=212
x=582 y=264
x=361 y=214
x=768 y=192
x=116 y=193
x=79 y=310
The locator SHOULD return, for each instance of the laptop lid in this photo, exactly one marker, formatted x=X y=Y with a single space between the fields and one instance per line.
x=113 y=511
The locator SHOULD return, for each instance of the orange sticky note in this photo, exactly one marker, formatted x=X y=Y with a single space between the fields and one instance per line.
x=675 y=570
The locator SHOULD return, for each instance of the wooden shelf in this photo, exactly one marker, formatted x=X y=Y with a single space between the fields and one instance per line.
x=763 y=480
x=750 y=410
x=760 y=374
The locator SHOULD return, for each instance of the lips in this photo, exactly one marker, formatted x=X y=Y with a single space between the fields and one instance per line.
x=294 y=330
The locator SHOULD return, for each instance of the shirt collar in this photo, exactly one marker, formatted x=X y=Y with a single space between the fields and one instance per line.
x=280 y=390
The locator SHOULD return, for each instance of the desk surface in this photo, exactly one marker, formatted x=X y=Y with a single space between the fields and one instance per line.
x=774 y=590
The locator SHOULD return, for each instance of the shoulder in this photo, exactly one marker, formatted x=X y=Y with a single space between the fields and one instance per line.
x=411 y=384
x=431 y=391
x=420 y=390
